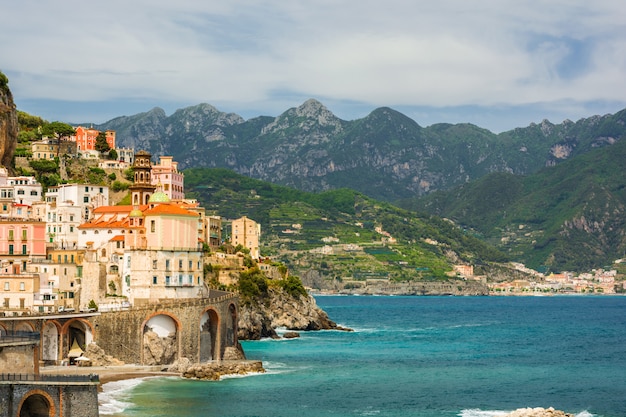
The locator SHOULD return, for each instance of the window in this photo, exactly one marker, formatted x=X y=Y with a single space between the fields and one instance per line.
x=24 y=250
x=10 y=234
x=154 y=264
x=167 y=264
x=180 y=264
x=190 y=265
x=153 y=226
x=167 y=280
x=20 y=192
x=86 y=199
x=71 y=218
x=10 y=249
x=154 y=280
x=86 y=189
x=7 y=286
x=71 y=229
x=22 y=286
x=24 y=234
x=33 y=193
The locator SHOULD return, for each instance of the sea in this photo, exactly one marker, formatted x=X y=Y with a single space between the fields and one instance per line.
x=416 y=356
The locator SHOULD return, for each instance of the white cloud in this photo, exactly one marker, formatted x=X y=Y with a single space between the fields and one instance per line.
x=393 y=53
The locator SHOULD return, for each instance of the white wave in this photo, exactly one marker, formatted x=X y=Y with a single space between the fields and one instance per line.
x=111 y=400
x=476 y=412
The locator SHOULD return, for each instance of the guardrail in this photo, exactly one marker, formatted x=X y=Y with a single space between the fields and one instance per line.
x=18 y=336
x=48 y=378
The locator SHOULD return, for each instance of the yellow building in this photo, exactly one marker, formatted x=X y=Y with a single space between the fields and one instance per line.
x=247 y=233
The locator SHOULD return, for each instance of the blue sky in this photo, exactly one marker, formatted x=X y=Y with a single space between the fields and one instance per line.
x=499 y=64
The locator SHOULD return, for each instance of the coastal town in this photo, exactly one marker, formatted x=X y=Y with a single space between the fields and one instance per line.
x=54 y=243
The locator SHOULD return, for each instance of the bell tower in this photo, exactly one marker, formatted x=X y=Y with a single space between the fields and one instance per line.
x=142 y=187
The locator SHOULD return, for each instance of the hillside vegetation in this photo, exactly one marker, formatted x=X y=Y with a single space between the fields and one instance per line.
x=568 y=217
x=341 y=234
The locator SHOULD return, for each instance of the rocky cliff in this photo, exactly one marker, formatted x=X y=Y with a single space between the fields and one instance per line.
x=8 y=123
x=279 y=309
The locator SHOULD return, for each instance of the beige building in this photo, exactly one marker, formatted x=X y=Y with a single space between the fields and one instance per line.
x=18 y=290
x=247 y=233
x=143 y=254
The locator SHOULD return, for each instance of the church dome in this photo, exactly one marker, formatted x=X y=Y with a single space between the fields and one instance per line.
x=136 y=213
x=159 y=197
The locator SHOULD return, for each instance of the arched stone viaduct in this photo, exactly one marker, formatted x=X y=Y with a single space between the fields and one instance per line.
x=197 y=329
x=200 y=329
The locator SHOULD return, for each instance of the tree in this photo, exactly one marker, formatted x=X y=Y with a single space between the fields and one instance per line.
x=58 y=131
x=101 y=143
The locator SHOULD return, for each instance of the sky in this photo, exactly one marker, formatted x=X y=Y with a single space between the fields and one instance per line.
x=499 y=64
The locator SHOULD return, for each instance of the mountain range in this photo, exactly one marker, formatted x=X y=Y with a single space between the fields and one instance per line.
x=549 y=195
x=386 y=155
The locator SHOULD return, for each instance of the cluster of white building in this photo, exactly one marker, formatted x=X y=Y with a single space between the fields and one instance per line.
x=70 y=248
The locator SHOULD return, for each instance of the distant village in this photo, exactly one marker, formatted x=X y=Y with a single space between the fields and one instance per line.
x=71 y=250
x=597 y=281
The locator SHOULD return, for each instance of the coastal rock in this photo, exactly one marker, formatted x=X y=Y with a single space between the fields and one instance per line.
x=232 y=353
x=291 y=335
x=213 y=371
x=98 y=357
x=537 y=412
x=158 y=350
x=180 y=365
x=281 y=309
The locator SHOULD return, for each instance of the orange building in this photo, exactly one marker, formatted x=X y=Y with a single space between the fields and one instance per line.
x=85 y=138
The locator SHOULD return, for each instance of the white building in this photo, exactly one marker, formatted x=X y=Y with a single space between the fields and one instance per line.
x=26 y=190
x=68 y=206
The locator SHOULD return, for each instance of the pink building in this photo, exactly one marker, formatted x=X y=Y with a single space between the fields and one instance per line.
x=21 y=241
x=166 y=176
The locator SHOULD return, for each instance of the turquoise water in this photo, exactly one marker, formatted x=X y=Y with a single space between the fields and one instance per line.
x=417 y=356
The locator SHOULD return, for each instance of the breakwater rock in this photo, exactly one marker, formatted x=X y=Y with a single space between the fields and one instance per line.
x=262 y=317
x=537 y=412
x=213 y=371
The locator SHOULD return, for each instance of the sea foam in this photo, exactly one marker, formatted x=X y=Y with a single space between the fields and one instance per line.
x=111 y=400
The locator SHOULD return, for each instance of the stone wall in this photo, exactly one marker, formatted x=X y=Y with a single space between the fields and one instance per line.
x=18 y=359
x=121 y=333
x=58 y=399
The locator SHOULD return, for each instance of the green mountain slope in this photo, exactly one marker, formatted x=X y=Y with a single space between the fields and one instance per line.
x=568 y=217
x=296 y=225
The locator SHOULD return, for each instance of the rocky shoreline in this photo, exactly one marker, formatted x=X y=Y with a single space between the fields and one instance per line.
x=281 y=310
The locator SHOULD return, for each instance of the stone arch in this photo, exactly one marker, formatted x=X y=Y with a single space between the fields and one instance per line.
x=24 y=326
x=79 y=330
x=209 y=335
x=50 y=342
x=36 y=403
x=160 y=341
